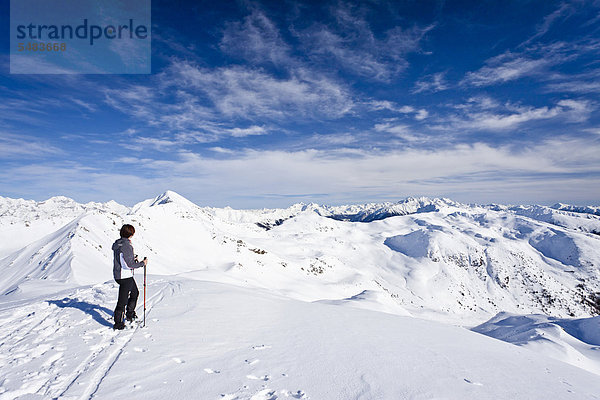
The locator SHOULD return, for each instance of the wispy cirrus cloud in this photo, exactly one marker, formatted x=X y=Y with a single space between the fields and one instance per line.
x=486 y=114
x=564 y=10
x=351 y=45
x=256 y=39
x=581 y=83
x=418 y=113
x=253 y=130
x=245 y=93
x=19 y=146
x=506 y=67
x=199 y=104
x=431 y=83
x=534 y=61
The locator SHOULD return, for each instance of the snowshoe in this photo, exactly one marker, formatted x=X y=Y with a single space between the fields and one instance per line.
x=132 y=317
x=119 y=325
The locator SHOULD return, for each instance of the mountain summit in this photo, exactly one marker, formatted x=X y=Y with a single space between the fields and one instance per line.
x=170 y=196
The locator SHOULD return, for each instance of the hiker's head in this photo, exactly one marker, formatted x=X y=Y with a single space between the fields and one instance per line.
x=127 y=231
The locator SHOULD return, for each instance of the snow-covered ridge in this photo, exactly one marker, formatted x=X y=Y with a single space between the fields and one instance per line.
x=377 y=211
x=579 y=209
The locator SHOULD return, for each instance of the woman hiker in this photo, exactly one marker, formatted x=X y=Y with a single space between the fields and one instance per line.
x=124 y=262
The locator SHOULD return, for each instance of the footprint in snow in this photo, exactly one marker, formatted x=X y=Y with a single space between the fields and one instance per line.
x=140 y=350
x=296 y=395
x=473 y=383
x=261 y=347
x=266 y=394
x=211 y=371
x=178 y=360
x=251 y=362
x=262 y=378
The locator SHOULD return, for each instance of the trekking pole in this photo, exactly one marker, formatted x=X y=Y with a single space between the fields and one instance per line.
x=144 y=296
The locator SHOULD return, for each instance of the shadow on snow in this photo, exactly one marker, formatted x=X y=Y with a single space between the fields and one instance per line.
x=92 y=309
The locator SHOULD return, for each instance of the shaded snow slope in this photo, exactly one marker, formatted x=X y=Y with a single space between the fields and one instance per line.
x=216 y=341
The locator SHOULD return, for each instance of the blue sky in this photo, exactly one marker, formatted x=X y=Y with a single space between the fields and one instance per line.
x=264 y=104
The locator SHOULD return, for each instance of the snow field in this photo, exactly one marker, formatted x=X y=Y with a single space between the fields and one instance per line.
x=226 y=321
x=217 y=341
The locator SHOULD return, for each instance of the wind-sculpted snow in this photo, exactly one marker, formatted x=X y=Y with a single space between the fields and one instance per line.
x=575 y=341
x=414 y=244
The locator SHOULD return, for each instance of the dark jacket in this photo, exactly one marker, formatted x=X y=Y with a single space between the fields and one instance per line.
x=124 y=259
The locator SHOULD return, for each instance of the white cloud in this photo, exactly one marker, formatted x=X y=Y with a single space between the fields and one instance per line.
x=533 y=61
x=595 y=131
x=485 y=113
x=221 y=150
x=476 y=172
x=392 y=128
x=245 y=93
x=490 y=121
x=256 y=39
x=250 y=131
x=506 y=67
x=576 y=85
x=577 y=110
x=431 y=83
x=19 y=146
x=198 y=105
x=140 y=143
x=564 y=10
x=351 y=45
x=421 y=115
x=378 y=105
x=400 y=131
x=88 y=106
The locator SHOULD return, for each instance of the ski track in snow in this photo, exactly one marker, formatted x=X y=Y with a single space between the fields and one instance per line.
x=42 y=369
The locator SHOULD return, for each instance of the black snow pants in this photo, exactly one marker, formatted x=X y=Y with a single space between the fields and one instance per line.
x=128 y=295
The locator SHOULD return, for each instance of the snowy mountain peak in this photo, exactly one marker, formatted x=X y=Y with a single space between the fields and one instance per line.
x=59 y=199
x=170 y=196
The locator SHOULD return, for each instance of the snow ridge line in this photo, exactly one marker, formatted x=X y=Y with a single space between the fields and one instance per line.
x=108 y=363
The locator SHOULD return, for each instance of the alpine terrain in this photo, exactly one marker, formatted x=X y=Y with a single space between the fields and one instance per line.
x=419 y=299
